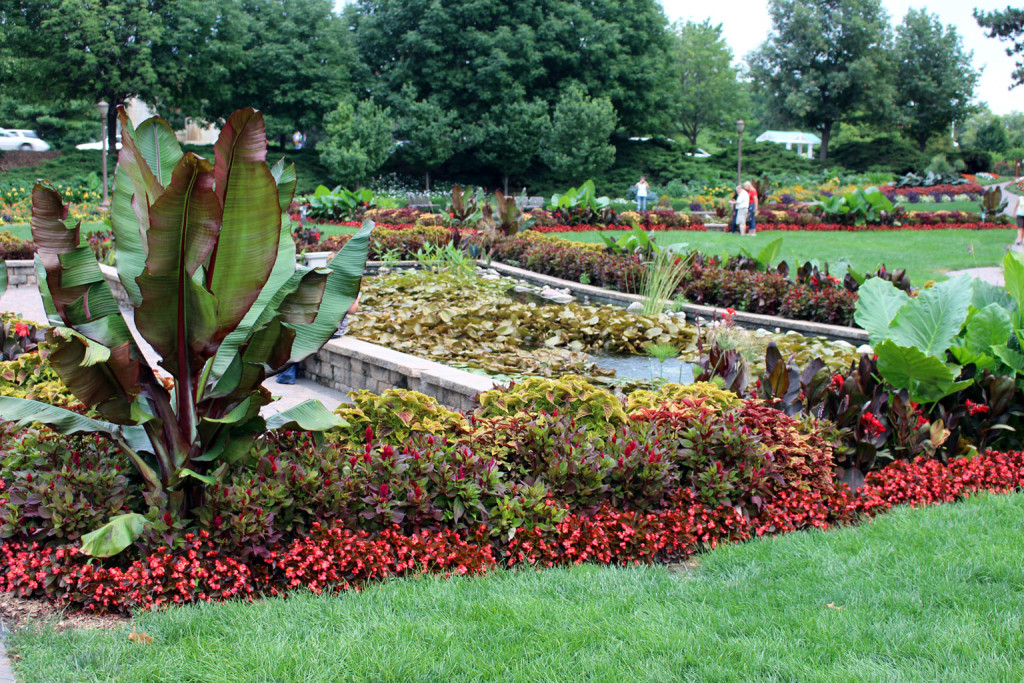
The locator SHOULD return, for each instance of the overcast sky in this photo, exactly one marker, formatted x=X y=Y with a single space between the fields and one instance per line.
x=746 y=25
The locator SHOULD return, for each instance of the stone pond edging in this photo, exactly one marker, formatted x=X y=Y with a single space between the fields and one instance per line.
x=852 y=335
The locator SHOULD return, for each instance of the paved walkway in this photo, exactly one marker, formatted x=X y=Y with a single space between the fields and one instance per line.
x=990 y=274
x=26 y=302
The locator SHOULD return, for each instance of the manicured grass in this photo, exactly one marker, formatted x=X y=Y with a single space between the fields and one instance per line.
x=916 y=595
x=926 y=254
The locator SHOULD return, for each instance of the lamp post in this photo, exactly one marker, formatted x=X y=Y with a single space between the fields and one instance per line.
x=740 y=125
x=103 y=108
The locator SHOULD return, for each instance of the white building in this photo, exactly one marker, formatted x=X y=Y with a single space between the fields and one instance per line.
x=790 y=138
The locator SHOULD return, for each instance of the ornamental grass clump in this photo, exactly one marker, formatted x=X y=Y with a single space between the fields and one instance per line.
x=206 y=258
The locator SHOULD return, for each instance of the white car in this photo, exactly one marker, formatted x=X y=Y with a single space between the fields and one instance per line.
x=99 y=145
x=24 y=140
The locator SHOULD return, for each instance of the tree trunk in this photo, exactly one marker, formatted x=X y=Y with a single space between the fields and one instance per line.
x=280 y=141
x=504 y=177
x=826 y=133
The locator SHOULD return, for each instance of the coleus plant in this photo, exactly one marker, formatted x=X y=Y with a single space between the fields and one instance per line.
x=212 y=278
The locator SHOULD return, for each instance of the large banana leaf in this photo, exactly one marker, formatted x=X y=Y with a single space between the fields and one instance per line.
x=178 y=315
x=309 y=415
x=136 y=187
x=24 y=412
x=933 y=319
x=3 y=279
x=341 y=291
x=247 y=249
x=159 y=147
x=1013 y=275
x=76 y=294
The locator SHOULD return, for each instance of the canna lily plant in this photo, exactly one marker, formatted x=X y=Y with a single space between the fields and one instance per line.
x=206 y=257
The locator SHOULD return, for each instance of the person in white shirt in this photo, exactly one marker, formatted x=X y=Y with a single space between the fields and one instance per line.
x=740 y=204
x=641 y=194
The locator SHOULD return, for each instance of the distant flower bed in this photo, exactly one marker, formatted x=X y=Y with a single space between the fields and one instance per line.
x=835 y=227
x=656 y=227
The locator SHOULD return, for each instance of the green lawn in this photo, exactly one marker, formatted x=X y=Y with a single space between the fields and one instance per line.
x=916 y=595
x=926 y=254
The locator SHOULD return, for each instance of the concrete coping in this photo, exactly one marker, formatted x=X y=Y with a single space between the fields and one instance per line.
x=411 y=366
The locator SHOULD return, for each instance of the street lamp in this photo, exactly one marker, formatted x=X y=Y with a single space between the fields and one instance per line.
x=103 y=108
x=739 y=156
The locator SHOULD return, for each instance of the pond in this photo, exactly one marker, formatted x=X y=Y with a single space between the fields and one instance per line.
x=645 y=368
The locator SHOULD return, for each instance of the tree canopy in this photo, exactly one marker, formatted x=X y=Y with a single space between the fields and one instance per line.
x=934 y=78
x=478 y=59
x=1006 y=25
x=708 y=87
x=825 y=62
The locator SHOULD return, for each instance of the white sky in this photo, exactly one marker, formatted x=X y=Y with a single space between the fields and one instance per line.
x=746 y=25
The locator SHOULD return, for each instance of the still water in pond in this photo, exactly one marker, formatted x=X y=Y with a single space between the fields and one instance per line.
x=646 y=368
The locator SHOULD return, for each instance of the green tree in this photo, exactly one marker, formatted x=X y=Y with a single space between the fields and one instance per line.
x=357 y=141
x=68 y=50
x=709 y=89
x=292 y=58
x=577 y=141
x=428 y=135
x=1006 y=25
x=473 y=57
x=826 y=62
x=991 y=137
x=511 y=136
x=934 y=78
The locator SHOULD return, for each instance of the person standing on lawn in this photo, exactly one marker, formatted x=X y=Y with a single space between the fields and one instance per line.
x=740 y=204
x=641 y=194
x=752 y=208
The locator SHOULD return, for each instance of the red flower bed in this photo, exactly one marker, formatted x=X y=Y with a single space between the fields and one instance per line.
x=335 y=558
x=656 y=227
x=969 y=188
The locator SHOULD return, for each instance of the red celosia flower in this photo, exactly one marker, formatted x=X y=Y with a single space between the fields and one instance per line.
x=21 y=329
x=975 y=408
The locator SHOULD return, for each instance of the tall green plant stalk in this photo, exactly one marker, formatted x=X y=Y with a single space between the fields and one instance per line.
x=661 y=280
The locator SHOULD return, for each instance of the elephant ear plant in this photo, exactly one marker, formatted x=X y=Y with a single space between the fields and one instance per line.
x=212 y=279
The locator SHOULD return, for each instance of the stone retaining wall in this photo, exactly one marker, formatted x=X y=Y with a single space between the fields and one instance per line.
x=21 y=273
x=349 y=364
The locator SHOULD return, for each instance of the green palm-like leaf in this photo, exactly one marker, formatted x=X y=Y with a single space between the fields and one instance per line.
x=136 y=187
x=340 y=293
x=931 y=320
x=989 y=327
x=24 y=412
x=1013 y=275
x=286 y=179
x=926 y=377
x=3 y=279
x=114 y=536
x=247 y=250
x=308 y=415
x=159 y=147
x=877 y=304
x=178 y=315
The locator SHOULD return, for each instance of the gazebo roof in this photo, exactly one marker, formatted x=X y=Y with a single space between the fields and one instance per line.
x=789 y=137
